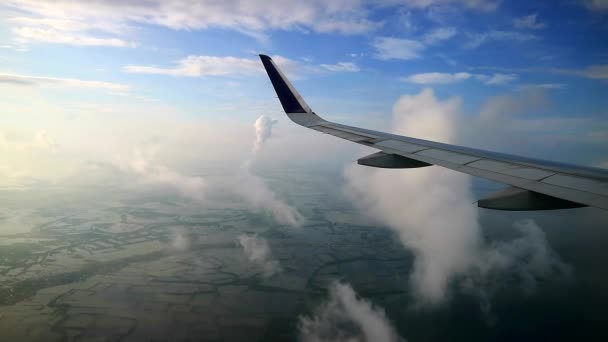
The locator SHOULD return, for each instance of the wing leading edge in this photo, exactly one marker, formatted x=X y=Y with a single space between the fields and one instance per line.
x=536 y=184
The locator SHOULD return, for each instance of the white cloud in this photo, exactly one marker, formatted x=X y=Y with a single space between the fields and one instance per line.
x=253 y=188
x=394 y=48
x=341 y=66
x=263 y=131
x=258 y=252
x=480 y=5
x=143 y=163
x=248 y=17
x=542 y=86
x=439 y=35
x=195 y=66
x=36 y=34
x=497 y=79
x=345 y=317
x=17 y=142
x=439 y=224
x=478 y=39
x=444 y=244
x=528 y=22
x=44 y=140
x=448 y=78
x=437 y=78
x=528 y=256
x=62 y=82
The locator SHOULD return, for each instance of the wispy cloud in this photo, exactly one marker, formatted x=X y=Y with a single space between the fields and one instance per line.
x=596 y=5
x=497 y=79
x=201 y=66
x=67 y=31
x=596 y=72
x=252 y=18
x=439 y=35
x=478 y=39
x=479 y=5
x=542 y=86
x=195 y=66
x=394 y=48
x=528 y=22
x=26 y=80
x=347 y=317
x=36 y=34
x=437 y=78
x=341 y=66
x=407 y=49
x=449 y=78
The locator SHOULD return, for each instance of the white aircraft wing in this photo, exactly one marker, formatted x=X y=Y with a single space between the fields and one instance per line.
x=536 y=184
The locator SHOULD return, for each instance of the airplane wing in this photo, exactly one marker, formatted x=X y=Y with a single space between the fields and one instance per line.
x=535 y=184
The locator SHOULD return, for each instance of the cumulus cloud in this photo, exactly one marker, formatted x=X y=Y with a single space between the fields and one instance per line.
x=347 y=317
x=528 y=22
x=394 y=48
x=439 y=227
x=263 y=131
x=258 y=252
x=255 y=190
x=430 y=210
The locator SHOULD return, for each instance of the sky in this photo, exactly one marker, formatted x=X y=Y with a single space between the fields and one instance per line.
x=351 y=60
x=163 y=93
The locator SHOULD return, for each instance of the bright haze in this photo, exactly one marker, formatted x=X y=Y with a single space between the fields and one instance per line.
x=151 y=185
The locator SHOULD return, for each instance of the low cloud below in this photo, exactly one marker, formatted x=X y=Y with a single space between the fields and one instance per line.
x=347 y=317
x=258 y=252
x=432 y=211
x=263 y=131
x=255 y=190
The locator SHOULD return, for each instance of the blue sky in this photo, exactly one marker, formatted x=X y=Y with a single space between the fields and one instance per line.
x=350 y=59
